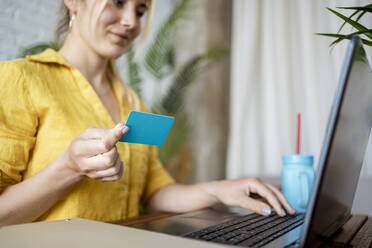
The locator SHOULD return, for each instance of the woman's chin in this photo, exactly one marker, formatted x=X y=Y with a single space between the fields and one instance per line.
x=114 y=52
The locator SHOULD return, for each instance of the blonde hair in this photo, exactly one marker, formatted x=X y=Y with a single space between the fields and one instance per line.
x=112 y=74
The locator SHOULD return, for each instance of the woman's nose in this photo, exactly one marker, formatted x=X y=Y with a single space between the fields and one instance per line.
x=129 y=18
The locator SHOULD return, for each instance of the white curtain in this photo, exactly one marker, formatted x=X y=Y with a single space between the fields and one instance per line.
x=279 y=68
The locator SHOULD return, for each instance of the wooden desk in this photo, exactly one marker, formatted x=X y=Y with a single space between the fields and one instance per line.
x=357 y=232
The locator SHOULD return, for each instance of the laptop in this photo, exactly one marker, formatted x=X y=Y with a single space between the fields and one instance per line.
x=340 y=162
x=338 y=172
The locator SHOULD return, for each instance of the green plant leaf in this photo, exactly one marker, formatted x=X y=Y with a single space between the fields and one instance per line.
x=174 y=98
x=360 y=15
x=351 y=16
x=367 y=42
x=178 y=134
x=367 y=8
x=159 y=59
x=37 y=48
x=336 y=42
x=345 y=35
x=341 y=37
x=173 y=101
x=332 y=35
x=134 y=78
x=357 y=10
x=157 y=108
x=353 y=23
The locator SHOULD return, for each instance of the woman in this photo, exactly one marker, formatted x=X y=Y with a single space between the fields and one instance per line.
x=58 y=158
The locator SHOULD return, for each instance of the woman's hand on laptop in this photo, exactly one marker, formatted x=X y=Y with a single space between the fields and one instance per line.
x=239 y=192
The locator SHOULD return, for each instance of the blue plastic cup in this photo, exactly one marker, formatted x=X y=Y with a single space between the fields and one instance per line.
x=297 y=180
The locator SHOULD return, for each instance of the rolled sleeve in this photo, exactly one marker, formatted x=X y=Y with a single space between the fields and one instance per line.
x=18 y=124
x=157 y=177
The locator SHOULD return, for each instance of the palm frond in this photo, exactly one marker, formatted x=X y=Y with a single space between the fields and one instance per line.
x=341 y=37
x=159 y=58
x=173 y=101
x=367 y=8
x=353 y=23
x=134 y=78
x=345 y=35
x=178 y=134
x=359 y=12
x=351 y=16
x=363 y=9
x=360 y=16
x=336 y=42
x=367 y=42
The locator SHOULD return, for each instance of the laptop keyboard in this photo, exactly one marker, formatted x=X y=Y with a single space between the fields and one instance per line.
x=252 y=230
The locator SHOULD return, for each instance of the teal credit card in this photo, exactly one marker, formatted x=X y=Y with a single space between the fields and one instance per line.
x=147 y=129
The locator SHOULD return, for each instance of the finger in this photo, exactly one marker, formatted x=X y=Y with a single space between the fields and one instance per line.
x=116 y=176
x=281 y=198
x=93 y=133
x=113 y=135
x=261 y=189
x=101 y=161
x=255 y=205
x=110 y=172
x=89 y=148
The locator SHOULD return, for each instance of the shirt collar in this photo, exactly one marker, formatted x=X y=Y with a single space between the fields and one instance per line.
x=49 y=56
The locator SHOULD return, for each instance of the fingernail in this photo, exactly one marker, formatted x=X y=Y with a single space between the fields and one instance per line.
x=119 y=125
x=125 y=130
x=283 y=212
x=266 y=210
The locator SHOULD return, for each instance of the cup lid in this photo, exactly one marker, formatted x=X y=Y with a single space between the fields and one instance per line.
x=298 y=158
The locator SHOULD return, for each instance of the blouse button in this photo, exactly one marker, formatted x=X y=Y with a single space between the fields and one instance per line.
x=125 y=187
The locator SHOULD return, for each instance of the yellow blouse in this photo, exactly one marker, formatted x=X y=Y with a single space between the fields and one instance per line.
x=45 y=104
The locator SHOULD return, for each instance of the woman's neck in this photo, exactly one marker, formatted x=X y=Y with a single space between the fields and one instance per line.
x=90 y=64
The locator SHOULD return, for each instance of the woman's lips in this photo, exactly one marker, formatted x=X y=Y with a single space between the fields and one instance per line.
x=119 y=37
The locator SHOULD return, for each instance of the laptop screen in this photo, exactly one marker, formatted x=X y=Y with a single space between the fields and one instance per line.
x=343 y=149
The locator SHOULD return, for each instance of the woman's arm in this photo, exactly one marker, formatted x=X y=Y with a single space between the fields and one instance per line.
x=184 y=198
x=93 y=153
x=27 y=200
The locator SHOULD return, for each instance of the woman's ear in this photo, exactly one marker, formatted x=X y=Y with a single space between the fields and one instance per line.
x=71 y=5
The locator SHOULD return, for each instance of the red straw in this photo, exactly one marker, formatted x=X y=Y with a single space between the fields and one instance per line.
x=298 y=132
